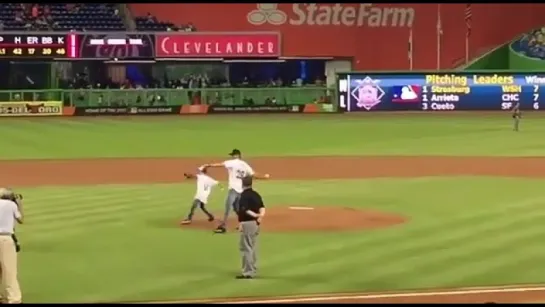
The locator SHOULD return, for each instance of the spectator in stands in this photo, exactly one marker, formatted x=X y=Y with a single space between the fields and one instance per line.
x=35 y=11
x=19 y=16
x=41 y=21
x=150 y=18
x=69 y=7
x=532 y=44
x=47 y=11
x=187 y=28
x=245 y=82
x=1 y=25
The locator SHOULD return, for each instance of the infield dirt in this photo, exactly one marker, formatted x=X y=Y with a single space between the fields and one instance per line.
x=151 y=170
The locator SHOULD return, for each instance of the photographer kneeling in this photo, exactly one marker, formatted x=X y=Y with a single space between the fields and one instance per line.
x=11 y=208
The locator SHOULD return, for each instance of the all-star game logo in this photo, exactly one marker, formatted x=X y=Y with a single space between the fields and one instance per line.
x=367 y=93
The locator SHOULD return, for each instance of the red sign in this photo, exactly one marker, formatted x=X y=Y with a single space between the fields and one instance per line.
x=216 y=45
x=374 y=36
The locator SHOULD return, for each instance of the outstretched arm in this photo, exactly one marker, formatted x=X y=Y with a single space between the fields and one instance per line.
x=214 y=165
x=260 y=176
x=189 y=176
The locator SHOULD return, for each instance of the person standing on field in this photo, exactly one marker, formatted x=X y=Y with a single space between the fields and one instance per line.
x=251 y=212
x=236 y=170
x=205 y=184
x=516 y=116
x=10 y=213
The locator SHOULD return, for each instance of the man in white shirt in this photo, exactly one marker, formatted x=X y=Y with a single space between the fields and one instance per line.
x=236 y=170
x=10 y=212
x=205 y=184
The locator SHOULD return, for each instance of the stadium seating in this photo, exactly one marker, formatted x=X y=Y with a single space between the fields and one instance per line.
x=89 y=16
x=531 y=44
x=144 y=23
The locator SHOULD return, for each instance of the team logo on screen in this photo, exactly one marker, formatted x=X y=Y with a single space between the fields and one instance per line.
x=367 y=93
x=406 y=93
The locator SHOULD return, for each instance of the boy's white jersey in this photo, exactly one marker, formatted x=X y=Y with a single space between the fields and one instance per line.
x=236 y=170
x=205 y=184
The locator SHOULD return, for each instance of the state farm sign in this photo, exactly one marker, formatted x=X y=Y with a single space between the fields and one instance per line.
x=318 y=14
x=228 y=45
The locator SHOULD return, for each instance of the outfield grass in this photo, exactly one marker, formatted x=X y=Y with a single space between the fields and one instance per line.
x=120 y=242
x=274 y=135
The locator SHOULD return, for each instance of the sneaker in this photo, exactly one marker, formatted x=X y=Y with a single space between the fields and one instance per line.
x=185 y=222
x=220 y=229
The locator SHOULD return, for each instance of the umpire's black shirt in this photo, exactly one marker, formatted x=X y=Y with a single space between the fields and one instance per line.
x=249 y=200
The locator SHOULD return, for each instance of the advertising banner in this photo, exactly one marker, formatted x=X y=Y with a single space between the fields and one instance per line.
x=217 y=45
x=31 y=108
x=255 y=109
x=240 y=109
x=119 y=45
x=319 y=108
x=95 y=111
x=446 y=91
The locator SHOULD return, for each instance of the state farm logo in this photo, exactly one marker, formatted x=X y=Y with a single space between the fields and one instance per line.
x=267 y=12
x=316 y=14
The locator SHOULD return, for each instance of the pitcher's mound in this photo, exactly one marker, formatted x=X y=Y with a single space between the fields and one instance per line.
x=307 y=218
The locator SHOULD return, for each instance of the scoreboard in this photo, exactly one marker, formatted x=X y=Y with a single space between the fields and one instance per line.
x=76 y=46
x=365 y=92
x=35 y=46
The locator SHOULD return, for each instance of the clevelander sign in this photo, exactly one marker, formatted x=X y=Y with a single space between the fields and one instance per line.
x=315 y=14
x=202 y=44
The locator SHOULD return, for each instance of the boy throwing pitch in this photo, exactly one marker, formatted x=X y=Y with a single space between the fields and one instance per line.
x=236 y=170
x=205 y=184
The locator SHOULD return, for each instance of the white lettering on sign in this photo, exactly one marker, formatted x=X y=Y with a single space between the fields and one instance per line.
x=219 y=45
x=135 y=41
x=32 y=40
x=47 y=40
x=116 y=41
x=535 y=79
x=317 y=14
x=96 y=42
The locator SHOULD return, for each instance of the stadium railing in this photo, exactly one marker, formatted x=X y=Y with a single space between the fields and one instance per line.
x=173 y=97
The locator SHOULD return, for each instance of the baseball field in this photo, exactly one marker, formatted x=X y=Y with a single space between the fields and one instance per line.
x=373 y=208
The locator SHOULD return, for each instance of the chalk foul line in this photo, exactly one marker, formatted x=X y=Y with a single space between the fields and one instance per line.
x=354 y=296
x=388 y=295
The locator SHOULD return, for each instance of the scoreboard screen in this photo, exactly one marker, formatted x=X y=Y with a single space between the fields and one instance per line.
x=361 y=92
x=116 y=45
x=35 y=46
x=75 y=46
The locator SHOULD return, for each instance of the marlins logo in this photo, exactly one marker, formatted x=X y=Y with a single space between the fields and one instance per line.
x=367 y=93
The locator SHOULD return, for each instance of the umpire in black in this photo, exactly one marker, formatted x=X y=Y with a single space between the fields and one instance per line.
x=251 y=211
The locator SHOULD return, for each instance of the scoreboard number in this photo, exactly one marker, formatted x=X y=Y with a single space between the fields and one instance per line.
x=343 y=85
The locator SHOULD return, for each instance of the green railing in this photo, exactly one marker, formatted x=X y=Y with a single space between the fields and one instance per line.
x=144 y=97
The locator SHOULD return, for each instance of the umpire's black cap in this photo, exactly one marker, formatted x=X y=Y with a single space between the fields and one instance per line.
x=235 y=152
